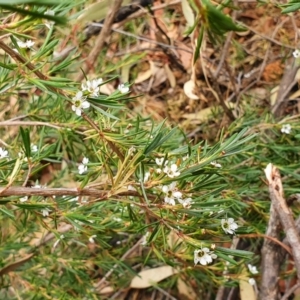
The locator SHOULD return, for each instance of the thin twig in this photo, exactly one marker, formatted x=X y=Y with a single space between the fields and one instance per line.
x=34 y=123
x=290 y=291
x=271 y=39
x=141 y=38
x=113 y=147
x=91 y=59
x=132 y=249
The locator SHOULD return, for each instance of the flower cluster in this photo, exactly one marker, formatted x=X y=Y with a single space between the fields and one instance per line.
x=204 y=256
x=91 y=87
x=82 y=168
x=28 y=44
x=172 y=194
x=170 y=171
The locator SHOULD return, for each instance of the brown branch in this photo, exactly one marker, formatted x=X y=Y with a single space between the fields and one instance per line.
x=17 y=57
x=19 y=191
x=270 y=265
x=113 y=147
x=286 y=84
x=100 y=39
x=49 y=192
x=285 y=214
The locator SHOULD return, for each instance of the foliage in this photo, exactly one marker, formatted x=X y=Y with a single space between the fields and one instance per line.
x=117 y=179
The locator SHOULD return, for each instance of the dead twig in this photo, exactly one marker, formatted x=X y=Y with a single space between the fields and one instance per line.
x=290 y=291
x=132 y=249
x=90 y=61
x=287 y=83
x=270 y=264
x=285 y=214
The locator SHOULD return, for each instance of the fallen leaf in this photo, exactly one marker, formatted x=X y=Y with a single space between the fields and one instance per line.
x=11 y=267
x=188 y=12
x=189 y=89
x=170 y=76
x=246 y=291
x=150 y=277
x=143 y=76
x=186 y=290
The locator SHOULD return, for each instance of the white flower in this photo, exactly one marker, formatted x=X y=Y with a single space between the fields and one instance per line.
x=144 y=242
x=185 y=157
x=296 y=53
x=131 y=188
x=169 y=200
x=123 y=88
x=92 y=86
x=229 y=226
x=286 y=128
x=48 y=23
x=3 y=153
x=79 y=103
x=185 y=202
x=27 y=44
x=252 y=269
x=91 y=239
x=117 y=219
x=204 y=256
x=171 y=193
x=45 y=212
x=85 y=160
x=252 y=281
x=75 y=199
x=215 y=164
x=24 y=199
x=131 y=150
x=146 y=176
x=159 y=161
x=82 y=168
x=34 y=148
x=172 y=171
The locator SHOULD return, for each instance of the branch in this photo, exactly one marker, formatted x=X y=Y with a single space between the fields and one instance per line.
x=285 y=214
x=100 y=39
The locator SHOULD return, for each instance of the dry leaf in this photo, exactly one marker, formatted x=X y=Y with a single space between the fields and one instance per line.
x=96 y=11
x=185 y=290
x=106 y=290
x=11 y=267
x=149 y=277
x=269 y=172
x=143 y=76
x=170 y=76
x=189 y=89
x=246 y=291
x=188 y=13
